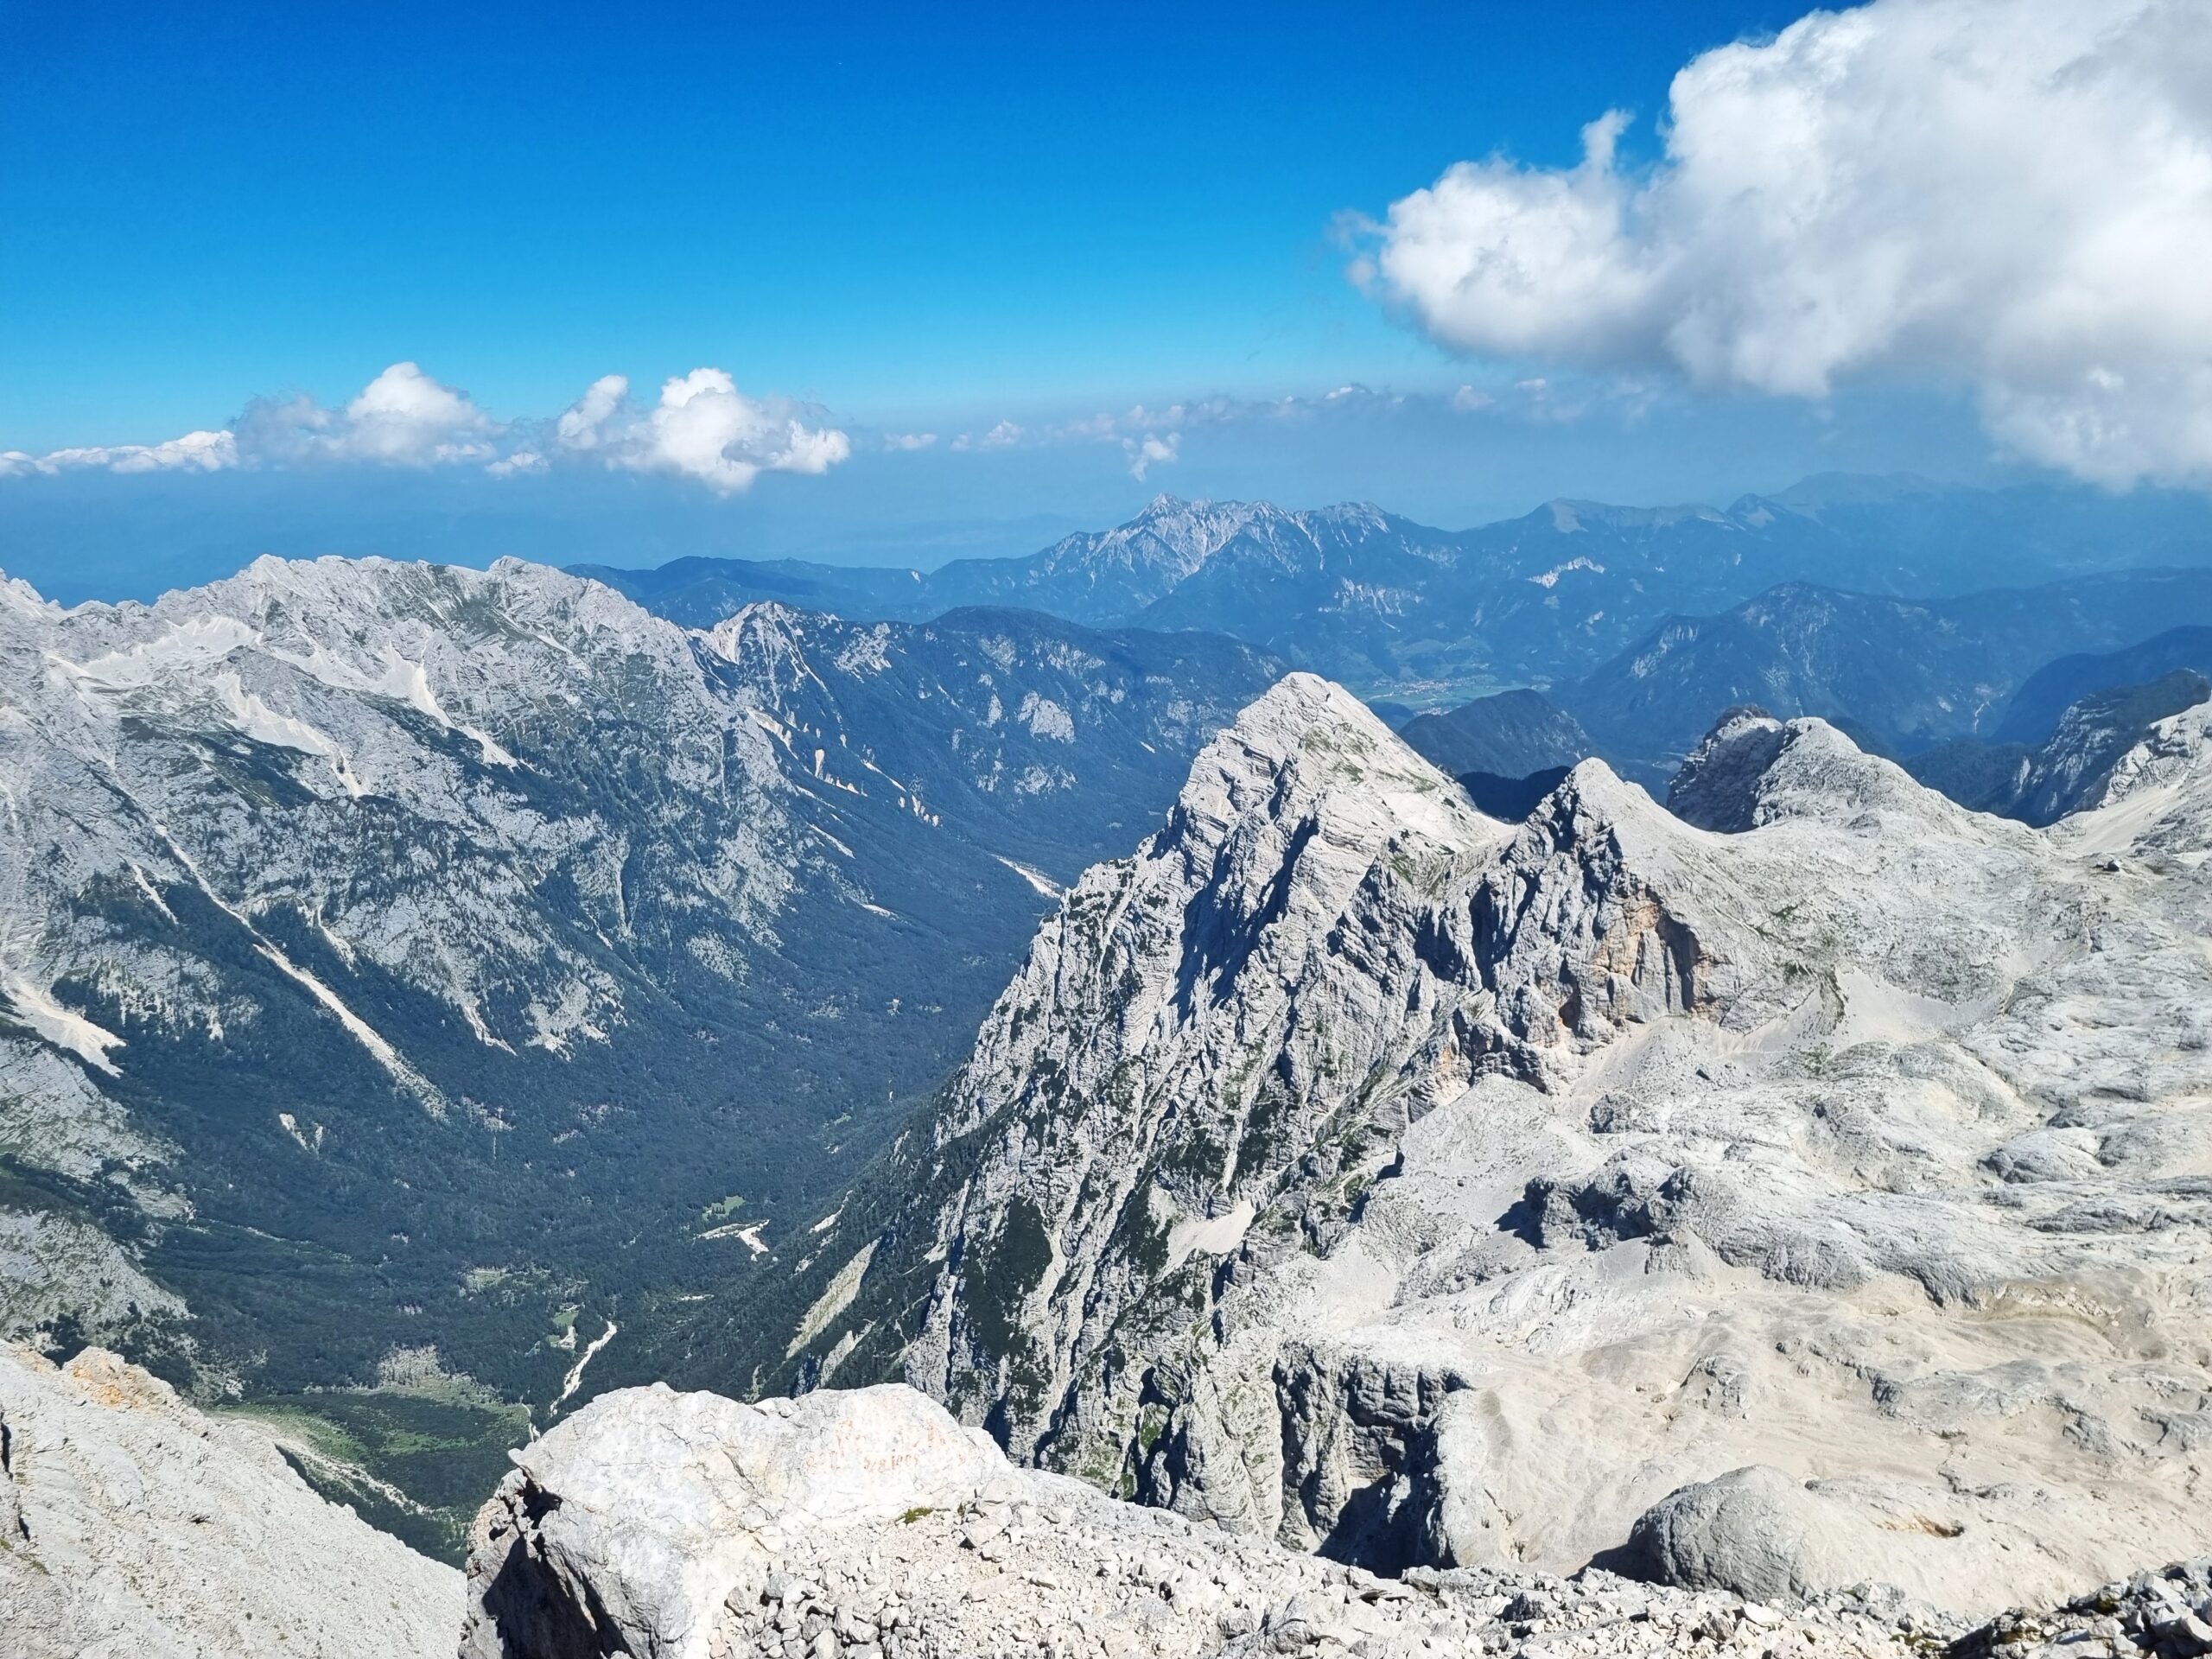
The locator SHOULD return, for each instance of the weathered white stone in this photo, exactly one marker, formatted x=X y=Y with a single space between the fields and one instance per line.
x=134 y=1527
x=635 y=1520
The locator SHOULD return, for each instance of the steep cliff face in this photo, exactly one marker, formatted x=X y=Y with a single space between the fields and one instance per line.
x=1248 y=1006
x=131 y=1524
x=1352 y=1169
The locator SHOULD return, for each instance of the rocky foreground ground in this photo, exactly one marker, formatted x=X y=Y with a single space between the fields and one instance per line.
x=134 y=1526
x=867 y=1524
x=848 y=1524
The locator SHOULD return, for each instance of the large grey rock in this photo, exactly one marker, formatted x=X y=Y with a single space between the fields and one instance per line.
x=134 y=1527
x=1753 y=1530
x=1783 y=1539
x=624 y=1527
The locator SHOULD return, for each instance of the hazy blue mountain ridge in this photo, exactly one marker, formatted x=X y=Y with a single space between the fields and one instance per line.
x=1400 y=610
x=1509 y=734
x=2047 y=694
x=2042 y=783
x=1906 y=673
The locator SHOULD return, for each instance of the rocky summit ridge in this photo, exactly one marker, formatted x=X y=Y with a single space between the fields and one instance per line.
x=1805 y=1185
x=844 y=1524
x=868 y=1524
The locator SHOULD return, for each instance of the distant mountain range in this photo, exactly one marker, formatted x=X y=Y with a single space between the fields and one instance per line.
x=394 y=954
x=1509 y=734
x=2042 y=783
x=1976 y=683
x=1397 y=609
x=1900 y=674
x=2046 y=695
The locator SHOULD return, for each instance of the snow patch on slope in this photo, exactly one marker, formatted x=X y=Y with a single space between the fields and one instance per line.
x=63 y=1027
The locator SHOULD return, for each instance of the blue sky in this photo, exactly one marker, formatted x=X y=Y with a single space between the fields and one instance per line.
x=1039 y=249
x=904 y=215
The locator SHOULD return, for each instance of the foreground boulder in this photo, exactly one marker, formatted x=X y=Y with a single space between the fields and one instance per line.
x=134 y=1527
x=1761 y=1532
x=624 y=1529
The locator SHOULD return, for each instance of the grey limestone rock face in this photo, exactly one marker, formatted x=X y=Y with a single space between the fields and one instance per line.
x=1718 y=786
x=1352 y=1170
x=346 y=876
x=134 y=1527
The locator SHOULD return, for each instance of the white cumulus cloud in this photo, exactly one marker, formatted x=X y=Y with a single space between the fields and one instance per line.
x=582 y=423
x=404 y=417
x=702 y=427
x=195 y=452
x=706 y=428
x=2014 y=196
x=1150 y=450
x=401 y=418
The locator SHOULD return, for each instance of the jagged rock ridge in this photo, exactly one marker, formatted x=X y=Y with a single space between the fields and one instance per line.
x=1349 y=1169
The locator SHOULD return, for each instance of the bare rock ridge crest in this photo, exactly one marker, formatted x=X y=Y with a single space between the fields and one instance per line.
x=845 y=1524
x=1817 y=1162
x=868 y=1524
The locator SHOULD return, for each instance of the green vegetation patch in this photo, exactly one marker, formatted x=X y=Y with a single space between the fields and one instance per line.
x=443 y=1456
x=1001 y=1280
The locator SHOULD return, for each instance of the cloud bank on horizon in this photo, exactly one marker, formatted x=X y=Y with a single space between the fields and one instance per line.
x=2010 y=196
x=702 y=427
